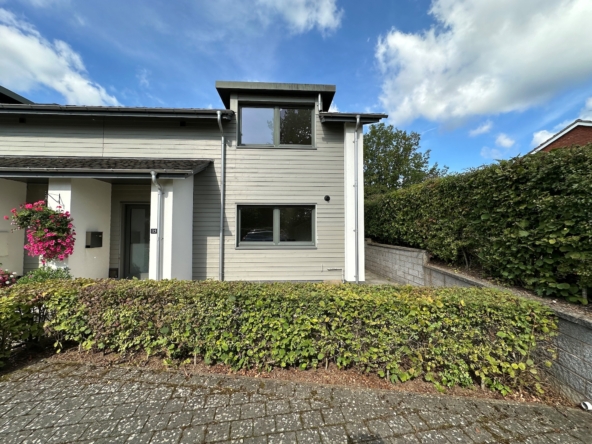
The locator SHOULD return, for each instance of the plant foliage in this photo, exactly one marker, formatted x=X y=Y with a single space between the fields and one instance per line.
x=50 y=233
x=447 y=336
x=392 y=160
x=526 y=221
x=45 y=273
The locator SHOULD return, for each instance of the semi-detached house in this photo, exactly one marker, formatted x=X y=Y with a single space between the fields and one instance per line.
x=270 y=187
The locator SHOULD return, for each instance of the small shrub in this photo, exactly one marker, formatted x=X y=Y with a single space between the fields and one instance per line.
x=22 y=316
x=45 y=273
x=448 y=336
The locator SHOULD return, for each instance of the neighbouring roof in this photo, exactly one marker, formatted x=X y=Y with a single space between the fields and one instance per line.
x=365 y=118
x=99 y=167
x=226 y=88
x=561 y=133
x=8 y=96
x=117 y=111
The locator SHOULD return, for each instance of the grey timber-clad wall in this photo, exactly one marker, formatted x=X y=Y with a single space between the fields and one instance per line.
x=275 y=176
x=288 y=176
x=121 y=194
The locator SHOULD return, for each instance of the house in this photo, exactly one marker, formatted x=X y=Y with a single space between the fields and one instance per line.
x=577 y=133
x=269 y=187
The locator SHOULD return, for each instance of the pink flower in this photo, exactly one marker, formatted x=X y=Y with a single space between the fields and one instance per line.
x=6 y=218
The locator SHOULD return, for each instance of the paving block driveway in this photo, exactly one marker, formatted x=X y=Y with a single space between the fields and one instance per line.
x=59 y=403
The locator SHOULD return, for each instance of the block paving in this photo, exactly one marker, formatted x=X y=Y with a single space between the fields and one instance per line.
x=73 y=403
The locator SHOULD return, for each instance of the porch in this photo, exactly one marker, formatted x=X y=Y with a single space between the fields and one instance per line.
x=125 y=226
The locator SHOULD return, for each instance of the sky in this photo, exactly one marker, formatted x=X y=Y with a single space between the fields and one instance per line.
x=479 y=80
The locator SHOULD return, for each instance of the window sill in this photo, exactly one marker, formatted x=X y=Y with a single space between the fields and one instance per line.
x=283 y=147
x=276 y=247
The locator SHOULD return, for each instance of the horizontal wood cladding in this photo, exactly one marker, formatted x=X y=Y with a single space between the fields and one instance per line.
x=256 y=176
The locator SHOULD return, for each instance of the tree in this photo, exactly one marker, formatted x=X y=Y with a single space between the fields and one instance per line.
x=392 y=160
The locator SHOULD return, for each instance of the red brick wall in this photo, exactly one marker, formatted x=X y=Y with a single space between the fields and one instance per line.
x=580 y=135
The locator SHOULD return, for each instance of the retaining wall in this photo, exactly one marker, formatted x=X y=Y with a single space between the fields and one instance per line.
x=571 y=373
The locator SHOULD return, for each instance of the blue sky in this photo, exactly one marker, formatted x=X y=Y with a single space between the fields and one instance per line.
x=478 y=79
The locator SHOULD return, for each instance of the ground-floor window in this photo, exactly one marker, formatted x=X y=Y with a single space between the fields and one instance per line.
x=276 y=225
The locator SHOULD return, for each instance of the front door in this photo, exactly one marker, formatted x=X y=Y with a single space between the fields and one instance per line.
x=136 y=240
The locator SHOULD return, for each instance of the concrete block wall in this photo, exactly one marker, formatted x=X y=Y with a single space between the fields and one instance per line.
x=400 y=264
x=572 y=371
x=410 y=266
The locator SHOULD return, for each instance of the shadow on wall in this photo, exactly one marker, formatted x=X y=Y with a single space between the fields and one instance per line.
x=206 y=223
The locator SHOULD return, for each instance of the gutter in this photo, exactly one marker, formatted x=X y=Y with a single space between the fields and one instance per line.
x=158 y=226
x=356 y=187
x=222 y=197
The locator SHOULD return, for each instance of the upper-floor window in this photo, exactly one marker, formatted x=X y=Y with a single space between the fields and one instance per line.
x=279 y=126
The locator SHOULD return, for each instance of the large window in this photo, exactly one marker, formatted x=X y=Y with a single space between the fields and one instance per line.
x=281 y=127
x=276 y=225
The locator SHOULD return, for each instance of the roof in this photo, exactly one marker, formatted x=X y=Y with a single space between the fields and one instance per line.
x=99 y=167
x=365 y=118
x=117 y=111
x=8 y=96
x=561 y=133
x=226 y=88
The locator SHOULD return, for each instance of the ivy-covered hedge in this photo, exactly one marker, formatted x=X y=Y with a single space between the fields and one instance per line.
x=527 y=221
x=452 y=337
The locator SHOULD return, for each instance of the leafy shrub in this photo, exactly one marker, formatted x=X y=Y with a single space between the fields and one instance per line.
x=526 y=221
x=22 y=316
x=45 y=273
x=448 y=336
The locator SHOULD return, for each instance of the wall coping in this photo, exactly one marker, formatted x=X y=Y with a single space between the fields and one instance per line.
x=395 y=247
x=560 y=311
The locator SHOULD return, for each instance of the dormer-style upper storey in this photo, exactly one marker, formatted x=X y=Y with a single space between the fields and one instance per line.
x=282 y=115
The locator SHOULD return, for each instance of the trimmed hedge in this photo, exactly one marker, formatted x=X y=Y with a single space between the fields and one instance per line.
x=526 y=221
x=448 y=336
x=22 y=317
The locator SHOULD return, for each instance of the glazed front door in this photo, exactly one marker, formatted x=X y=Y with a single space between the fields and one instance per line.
x=136 y=240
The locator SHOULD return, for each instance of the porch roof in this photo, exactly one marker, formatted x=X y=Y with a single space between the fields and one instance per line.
x=99 y=167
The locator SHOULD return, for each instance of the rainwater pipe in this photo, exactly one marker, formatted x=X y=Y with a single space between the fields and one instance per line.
x=356 y=187
x=158 y=226
x=222 y=197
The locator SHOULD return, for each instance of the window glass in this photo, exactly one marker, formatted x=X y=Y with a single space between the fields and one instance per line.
x=256 y=224
x=295 y=126
x=257 y=126
x=274 y=225
x=296 y=224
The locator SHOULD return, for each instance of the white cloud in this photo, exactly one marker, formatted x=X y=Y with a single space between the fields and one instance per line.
x=28 y=60
x=504 y=141
x=485 y=57
x=544 y=135
x=491 y=153
x=540 y=137
x=333 y=108
x=305 y=15
x=481 y=129
x=142 y=77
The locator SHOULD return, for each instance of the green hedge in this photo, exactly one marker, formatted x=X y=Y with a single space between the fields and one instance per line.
x=449 y=336
x=527 y=221
x=22 y=317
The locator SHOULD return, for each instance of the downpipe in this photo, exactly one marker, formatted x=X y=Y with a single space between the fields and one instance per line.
x=222 y=197
x=158 y=226
x=356 y=198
